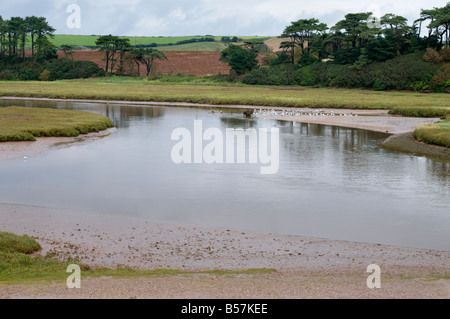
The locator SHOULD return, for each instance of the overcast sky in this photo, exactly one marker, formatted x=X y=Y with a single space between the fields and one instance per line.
x=201 y=17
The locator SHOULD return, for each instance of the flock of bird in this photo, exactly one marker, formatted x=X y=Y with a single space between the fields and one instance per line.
x=314 y=113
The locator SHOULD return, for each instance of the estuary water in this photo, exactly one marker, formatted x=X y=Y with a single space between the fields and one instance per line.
x=332 y=182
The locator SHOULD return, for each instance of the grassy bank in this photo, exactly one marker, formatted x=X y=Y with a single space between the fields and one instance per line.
x=406 y=143
x=18 y=266
x=436 y=134
x=211 y=91
x=25 y=124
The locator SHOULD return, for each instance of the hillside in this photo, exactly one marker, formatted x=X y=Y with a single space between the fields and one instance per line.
x=185 y=62
x=163 y=43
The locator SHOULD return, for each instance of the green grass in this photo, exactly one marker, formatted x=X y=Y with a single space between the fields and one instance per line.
x=215 y=92
x=199 y=46
x=10 y=243
x=16 y=266
x=25 y=124
x=421 y=111
x=89 y=41
x=436 y=134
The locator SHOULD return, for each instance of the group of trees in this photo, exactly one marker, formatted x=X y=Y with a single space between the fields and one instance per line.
x=16 y=33
x=120 y=49
x=360 y=38
x=356 y=51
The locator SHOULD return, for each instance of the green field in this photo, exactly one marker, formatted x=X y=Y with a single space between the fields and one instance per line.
x=200 y=46
x=89 y=41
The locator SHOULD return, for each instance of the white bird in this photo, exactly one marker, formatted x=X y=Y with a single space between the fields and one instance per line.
x=25 y=158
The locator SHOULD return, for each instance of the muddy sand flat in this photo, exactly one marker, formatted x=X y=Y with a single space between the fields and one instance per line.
x=305 y=267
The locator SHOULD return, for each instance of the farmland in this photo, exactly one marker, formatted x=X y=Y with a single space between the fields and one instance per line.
x=201 y=63
x=162 y=42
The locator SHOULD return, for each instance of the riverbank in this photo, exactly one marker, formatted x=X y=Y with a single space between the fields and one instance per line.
x=11 y=150
x=406 y=143
x=305 y=267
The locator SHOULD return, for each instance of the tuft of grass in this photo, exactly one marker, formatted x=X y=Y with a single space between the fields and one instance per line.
x=11 y=243
x=25 y=124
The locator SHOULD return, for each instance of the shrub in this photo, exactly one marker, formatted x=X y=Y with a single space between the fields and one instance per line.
x=307 y=76
x=419 y=86
x=6 y=75
x=441 y=79
x=45 y=75
x=60 y=69
x=379 y=85
x=283 y=74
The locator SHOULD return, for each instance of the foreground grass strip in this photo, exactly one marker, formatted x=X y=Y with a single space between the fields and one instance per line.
x=25 y=124
x=17 y=266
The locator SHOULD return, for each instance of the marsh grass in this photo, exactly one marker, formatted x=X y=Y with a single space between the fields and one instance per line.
x=17 y=266
x=212 y=91
x=25 y=124
x=436 y=134
x=421 y=111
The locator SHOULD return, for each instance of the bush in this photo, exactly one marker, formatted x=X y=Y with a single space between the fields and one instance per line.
x=45 y=75
x=419 y=86
x=441 y=79
x=307 y=76
x=379 y=85
x=6 y=75
x=284 y=74
x=56 y=69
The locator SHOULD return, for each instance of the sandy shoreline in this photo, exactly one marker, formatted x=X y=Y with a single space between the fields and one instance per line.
x=306 y=267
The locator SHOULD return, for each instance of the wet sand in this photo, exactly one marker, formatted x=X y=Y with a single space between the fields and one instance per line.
x=305 y=267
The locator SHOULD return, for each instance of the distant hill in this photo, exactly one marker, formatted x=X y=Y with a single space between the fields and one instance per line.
x=163 y=43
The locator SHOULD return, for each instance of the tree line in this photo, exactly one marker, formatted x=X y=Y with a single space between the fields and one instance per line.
x=358 y=51
x=17 y=32
x=361 y=38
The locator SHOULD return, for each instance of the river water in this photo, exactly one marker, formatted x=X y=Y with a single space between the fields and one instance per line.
x=332 y=182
